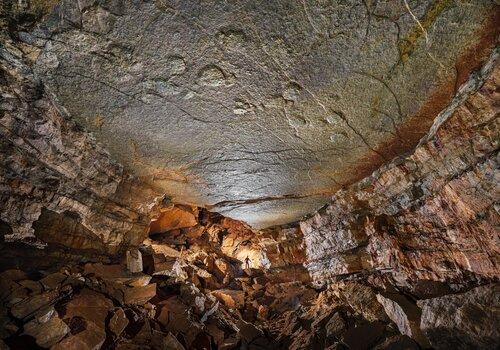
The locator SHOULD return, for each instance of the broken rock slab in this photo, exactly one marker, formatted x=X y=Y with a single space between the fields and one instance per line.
x=47 y=330
x=233 y=299
x=174 y=218
x=463 y=321
x=118 y=322
x=139 y=295
x=362 y=299
x=91 y=306
x=33 y=304
x=405 y=314
x=91 y=338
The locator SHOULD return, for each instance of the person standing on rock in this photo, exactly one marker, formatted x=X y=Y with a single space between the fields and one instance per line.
x=247 y=262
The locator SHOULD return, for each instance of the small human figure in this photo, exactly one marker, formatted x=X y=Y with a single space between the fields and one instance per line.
x=247 y=262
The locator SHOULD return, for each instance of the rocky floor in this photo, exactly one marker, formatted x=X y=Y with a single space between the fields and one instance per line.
x=208 y=282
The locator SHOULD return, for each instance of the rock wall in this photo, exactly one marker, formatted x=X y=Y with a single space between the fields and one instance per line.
x=426 y=218
x=259 y=110
x=53 y=171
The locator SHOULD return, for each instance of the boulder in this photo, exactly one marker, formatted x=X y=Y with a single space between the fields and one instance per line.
x=33 y=304
x=118 y=322
x=13 y=275
x=169 y=342
x=34 y=286
x=174 y=315
x=53 y=280
x=91 y=338
x=463 y=321
x=174 y=218
x=363 y=300
x=47 y=330
x=139 y=295
x=405 y=314
x=89 y=305
x=233 y=299
x=335 y=326
x=117 y=273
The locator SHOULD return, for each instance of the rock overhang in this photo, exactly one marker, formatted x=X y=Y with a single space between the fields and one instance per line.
x=260 y=111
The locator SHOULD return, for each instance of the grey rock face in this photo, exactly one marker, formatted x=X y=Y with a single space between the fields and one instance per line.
x=57 y=184
x=259 y=109
x=463 y=321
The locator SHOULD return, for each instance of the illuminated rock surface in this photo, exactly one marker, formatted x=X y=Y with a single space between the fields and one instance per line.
x=147 y=148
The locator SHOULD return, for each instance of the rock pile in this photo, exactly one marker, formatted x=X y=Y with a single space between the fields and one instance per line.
x=187 y=289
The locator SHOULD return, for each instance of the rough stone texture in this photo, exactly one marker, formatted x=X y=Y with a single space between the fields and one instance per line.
x=47 y=332
x=54 y=177
x=134 y=261
x=405 y=314
x=463 y=321
x=429 y=217
x=223 y=105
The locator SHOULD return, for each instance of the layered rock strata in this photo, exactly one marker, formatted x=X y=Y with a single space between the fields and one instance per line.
x=54 y=177
x=429 y=217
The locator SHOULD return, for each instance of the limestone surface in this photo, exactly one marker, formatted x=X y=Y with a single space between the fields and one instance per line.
x=259 y=110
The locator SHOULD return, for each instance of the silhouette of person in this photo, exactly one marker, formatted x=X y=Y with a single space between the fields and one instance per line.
x=247 y=262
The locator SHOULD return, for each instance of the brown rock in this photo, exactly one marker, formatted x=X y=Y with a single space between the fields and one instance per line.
x=33 y=304
x=174 y=218
x=33 y=286
x=263 y=312
x=216 y=333
x=463 y=321
x=104 y=271
x=139 y=295
x=13 y=275
x=91 y=338
x=89 y=305
x=139 y=280
x=174 y=315
x=233 y=299
x=118 y=322
x=248 y=331
x=363 y=300
x=118 y=274
x=48 y=330
x=171 y=343
x=53 y=280
x=405 y=315
x=335 y=326
x=229 y=343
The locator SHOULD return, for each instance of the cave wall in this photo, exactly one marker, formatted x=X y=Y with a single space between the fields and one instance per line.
x=259 y=110
x=427 y=220
x=47 y=163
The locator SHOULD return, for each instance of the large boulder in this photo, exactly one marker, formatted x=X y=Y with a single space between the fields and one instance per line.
x=463 y=321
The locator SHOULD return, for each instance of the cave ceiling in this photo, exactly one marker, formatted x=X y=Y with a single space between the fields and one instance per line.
x=259 y=110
